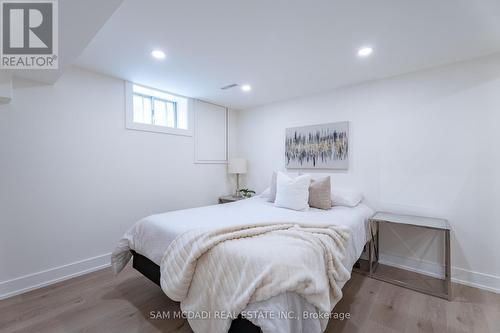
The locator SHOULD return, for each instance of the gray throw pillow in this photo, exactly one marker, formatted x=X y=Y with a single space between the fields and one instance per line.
x=320 y=193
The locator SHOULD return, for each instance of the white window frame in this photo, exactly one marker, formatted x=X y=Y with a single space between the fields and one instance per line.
x=129 y=115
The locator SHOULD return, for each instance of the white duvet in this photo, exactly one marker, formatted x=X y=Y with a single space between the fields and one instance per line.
x=152 y=235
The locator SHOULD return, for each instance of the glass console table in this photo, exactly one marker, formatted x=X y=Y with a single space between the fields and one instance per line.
x=443 y=287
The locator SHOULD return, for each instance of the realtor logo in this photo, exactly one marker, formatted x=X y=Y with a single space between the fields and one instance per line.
x=29 y=34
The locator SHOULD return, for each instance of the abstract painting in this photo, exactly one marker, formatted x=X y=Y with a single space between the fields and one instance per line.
x=323 y=146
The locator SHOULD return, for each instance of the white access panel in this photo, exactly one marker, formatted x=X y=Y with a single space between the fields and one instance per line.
x=210 y=133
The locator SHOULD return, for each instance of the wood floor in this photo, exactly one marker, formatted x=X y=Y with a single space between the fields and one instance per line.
x=101 y=302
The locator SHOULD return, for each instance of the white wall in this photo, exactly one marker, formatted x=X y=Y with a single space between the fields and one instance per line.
x=5 y=88
x=73 y=179
x=425 y=143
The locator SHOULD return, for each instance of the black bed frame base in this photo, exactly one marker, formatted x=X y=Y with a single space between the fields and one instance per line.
x=152 y=271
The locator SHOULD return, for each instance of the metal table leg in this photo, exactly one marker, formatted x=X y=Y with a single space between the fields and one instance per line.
x=370 y=257
x=447 y=263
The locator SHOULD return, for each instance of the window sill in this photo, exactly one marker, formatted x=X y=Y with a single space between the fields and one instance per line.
x=159 y=129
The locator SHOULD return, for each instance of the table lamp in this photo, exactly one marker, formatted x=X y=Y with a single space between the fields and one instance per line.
x=237 y=166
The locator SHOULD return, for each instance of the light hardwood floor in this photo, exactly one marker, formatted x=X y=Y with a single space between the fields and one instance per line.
x=101 y=302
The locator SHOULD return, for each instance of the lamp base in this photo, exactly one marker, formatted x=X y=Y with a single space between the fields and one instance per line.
x=237 y=194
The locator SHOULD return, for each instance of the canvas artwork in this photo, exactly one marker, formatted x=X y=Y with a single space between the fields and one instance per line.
x=324 y=146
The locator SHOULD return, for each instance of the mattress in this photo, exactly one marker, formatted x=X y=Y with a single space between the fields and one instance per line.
x=152 y=235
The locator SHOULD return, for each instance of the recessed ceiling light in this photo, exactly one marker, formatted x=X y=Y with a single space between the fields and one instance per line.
x=246 y=87
x=365 y=51
x=158 y=54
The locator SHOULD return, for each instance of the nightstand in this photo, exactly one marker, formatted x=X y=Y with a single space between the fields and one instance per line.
x=229 y=198
x=442 y=289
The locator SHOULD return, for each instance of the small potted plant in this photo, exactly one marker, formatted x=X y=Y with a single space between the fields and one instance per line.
x=246 y=193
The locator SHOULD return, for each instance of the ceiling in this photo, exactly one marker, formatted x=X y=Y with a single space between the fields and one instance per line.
x=79 y=21
x=285 y=48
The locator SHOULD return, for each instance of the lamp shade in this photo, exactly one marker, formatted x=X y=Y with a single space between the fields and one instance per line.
x=237 y=165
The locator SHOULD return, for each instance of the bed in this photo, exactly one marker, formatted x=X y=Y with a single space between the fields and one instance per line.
x=148 y=240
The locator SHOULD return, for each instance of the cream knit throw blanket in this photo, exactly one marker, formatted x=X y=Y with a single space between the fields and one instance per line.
x=217 y=273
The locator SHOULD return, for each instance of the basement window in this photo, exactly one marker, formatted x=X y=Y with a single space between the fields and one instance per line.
x=154 y=110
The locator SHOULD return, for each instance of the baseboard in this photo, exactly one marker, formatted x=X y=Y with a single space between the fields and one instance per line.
x=44 y=278
x=459 y=275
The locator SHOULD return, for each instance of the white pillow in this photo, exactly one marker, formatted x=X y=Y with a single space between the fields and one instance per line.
x=349 y=198
x=272 y=188
x=292 y=193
